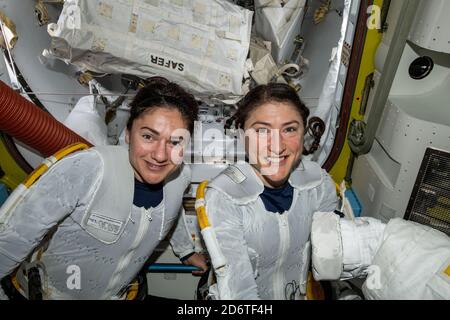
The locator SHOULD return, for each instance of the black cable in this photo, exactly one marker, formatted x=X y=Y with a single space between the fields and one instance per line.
x=315 y=128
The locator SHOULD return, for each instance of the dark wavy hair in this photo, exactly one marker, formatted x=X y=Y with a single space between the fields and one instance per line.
x=277 y=92
x=161 y=93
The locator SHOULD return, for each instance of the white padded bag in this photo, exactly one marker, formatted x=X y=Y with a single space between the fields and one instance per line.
x=279 y=22
x=200 y=44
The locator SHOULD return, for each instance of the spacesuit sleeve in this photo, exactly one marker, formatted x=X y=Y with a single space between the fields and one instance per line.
x=327 y=197
x=401 y=259
x=343 y=248
x=49 y=200
x=237 y=280
x=181 y=240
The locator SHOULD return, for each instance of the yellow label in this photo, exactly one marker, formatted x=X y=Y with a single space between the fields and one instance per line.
x=447 y=271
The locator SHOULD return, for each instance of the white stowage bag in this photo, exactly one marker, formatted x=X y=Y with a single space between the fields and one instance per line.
x=264 y=67
x=200 y=44
x=85 y=120
x=279 y=22
x=326 y=106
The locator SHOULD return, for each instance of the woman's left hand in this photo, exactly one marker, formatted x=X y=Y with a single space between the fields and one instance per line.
x=197 y=260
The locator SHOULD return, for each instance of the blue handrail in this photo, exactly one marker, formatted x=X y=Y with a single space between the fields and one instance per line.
x=171 y=268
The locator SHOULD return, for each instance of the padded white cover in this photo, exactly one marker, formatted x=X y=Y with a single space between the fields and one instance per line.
x=200 y=44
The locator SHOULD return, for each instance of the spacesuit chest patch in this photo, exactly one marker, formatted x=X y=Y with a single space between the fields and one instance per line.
x=234 y=174
x=106 y=224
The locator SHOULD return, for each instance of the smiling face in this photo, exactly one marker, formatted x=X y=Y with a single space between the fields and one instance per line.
x=157 y=139
x=274 y=141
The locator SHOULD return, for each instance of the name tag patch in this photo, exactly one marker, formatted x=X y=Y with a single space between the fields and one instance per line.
x=105 y=223
x=235 y=174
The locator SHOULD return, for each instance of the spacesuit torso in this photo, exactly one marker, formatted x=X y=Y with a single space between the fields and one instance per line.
x=79 y=262
x=268 y=253
x=400 y=259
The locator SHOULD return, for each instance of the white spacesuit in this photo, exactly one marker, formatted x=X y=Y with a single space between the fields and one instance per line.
x=89 y=240
x=401 y=259
x=267 y=253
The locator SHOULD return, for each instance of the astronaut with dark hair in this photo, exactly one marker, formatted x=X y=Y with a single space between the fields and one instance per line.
x=98 y=214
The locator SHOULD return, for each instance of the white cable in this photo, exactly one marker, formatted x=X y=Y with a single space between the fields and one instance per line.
x=8 y=50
